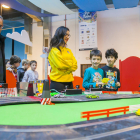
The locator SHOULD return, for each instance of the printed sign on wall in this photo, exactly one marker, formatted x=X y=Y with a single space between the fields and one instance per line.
x=87 y=30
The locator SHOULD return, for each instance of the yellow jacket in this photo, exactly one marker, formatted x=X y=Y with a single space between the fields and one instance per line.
x=63 y=63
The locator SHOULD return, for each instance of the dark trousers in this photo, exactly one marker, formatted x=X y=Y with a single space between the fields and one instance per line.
x=60 y=86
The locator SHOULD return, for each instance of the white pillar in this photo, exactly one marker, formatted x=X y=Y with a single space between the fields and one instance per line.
x=37 y=34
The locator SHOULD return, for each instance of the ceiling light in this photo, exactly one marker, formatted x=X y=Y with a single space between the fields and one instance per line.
x=5 y=6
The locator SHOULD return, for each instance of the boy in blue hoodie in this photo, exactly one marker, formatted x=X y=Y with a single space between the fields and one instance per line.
x=93 y=75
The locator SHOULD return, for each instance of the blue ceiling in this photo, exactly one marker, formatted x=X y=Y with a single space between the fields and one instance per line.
x=99 y=5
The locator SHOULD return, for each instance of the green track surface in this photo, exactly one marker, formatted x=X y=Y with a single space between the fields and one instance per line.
x=60 y=113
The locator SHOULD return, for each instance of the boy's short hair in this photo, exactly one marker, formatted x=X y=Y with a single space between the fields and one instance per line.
x=111 y=52
x=25 y=61
x=95 y=52
x=14 y=59
x=33 y=61
x=6 y=60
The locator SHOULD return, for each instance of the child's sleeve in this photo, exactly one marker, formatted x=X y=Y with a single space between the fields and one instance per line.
x=86 y=80
x=103 y=74
x=118 y=76
x=18 y=72
x=37 y=75
x=25 y=77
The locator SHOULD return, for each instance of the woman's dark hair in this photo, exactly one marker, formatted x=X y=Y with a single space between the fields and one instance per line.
x=6 y=60
x=111 y=52
x=33 y=61
x=58 y=38
x=14 y=59
x=95 y=52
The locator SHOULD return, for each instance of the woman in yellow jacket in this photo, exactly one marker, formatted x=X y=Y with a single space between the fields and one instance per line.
x=62 y=61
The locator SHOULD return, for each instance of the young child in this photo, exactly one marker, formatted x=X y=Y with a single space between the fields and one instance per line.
x=93 y=75
x=31 y=75
x=21 y=71
x=14 y=64
x=110 y=71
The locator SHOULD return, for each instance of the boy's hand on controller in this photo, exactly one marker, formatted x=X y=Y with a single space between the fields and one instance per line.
x=118 y=84
x=100 y=83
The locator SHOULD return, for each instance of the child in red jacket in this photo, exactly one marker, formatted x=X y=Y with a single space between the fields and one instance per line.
x=14 y=62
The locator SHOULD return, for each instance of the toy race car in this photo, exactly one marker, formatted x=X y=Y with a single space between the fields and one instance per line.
x=91 y=96
x=59 y=96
